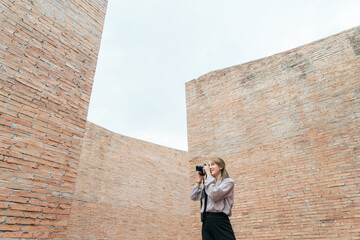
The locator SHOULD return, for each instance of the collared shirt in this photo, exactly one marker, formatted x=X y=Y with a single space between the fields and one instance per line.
x=220 y=195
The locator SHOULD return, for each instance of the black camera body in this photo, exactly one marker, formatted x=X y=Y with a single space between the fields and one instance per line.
x=200 y=169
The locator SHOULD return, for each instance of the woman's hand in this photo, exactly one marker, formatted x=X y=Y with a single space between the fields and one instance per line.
x=207 y=169
x=199 y=181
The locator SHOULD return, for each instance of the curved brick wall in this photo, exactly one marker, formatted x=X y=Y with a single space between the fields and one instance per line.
x=129 y=189
x=288 y=126
x=48 y=54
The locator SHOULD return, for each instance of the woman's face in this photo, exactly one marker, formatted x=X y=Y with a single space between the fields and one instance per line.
x=215 y=170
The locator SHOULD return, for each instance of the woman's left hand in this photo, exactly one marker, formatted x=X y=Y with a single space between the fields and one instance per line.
x=207 y=169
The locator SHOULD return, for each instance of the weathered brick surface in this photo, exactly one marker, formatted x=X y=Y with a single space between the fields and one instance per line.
x=129 y=189
x=288 y=126
x=48 y=54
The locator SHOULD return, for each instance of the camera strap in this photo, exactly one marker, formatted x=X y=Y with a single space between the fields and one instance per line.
x=205 y=202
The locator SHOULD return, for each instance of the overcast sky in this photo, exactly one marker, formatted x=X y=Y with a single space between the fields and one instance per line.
x=151 y=48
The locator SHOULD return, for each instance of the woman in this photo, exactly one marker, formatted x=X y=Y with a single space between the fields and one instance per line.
x=218 y=194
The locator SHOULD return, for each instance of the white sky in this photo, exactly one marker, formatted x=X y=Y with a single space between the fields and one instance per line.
x=151 y=48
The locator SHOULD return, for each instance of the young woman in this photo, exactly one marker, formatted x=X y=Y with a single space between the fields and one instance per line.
x=218 y=195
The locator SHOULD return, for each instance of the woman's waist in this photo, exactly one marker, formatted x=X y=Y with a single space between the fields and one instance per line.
x=216 y=215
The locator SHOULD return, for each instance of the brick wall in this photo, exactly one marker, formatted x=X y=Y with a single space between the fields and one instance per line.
x=48 y=54
x=129 y=189
x=288 y=127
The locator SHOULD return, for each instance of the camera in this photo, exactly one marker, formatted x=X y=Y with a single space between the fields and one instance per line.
x=200 y=169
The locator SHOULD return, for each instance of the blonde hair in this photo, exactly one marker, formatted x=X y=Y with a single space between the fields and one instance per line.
x=221 y=163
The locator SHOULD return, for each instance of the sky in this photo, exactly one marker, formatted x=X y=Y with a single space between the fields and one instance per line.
x=150 y=49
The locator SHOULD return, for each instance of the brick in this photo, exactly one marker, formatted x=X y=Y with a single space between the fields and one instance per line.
x=20 y=162
x=41 y=190
x=36 y=229
x=51 y=236
x=12 y=173
x=5 y=125
x=28 y=131
x=49 y=121
x=48 y=180
x=37 y=160
x=39 y=215
x=9 y=212
x=11 y=142
x=63 y=217
x=64 y=166
x=32 y=183
x=29 y=195
x=65 y=206
x=26 y=151
x=54 y=223
x=43 y=203
x=70 y=174
x=27 y=208
x=51 y=169
x=7 y=178
x=14 y=199
x=4 y=146
x=57 y=211
x=42 y=151
x=10 y=154
x=7 y=131
x=37 y=171
x=11 y=113
x=18 y=235
x=8 y=166
x=64 y=178
x=10 y=228
x=3 y=205
x=4 y=191
x=30 y=142
x=56 y=229
x=56 y=199
x=15 y=120
x=60 y=188
x=52 y=159
x=14 y=186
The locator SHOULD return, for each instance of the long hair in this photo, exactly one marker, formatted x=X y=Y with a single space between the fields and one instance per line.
x=221 y=163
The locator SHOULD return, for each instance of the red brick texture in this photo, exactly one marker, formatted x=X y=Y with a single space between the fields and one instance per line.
x=288 y=127
x=48 y=54
x=129 y=189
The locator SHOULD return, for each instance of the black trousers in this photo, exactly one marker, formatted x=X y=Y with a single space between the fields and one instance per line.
x=217 y=226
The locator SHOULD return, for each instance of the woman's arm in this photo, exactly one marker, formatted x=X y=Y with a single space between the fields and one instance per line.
x=195 y=194
x=218 y=192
